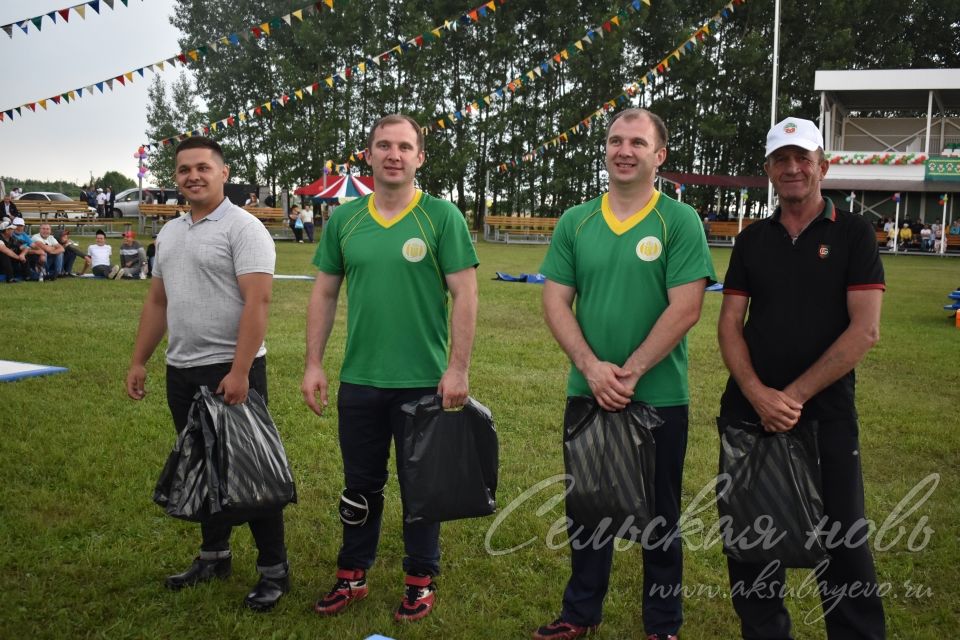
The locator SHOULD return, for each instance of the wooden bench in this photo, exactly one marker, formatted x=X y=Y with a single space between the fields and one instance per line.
x=518 y=229
x=724 y=231
x=45 y=209
x=274 y=219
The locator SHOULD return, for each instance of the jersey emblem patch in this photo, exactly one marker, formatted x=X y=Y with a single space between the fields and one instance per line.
x=649 y=249
x=414 y=250
x=824 y=251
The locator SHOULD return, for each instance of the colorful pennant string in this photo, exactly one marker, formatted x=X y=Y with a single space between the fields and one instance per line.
x=62 y=14
x=622 y=99
x=342 y=76
x=191 y=56
x=524 y=79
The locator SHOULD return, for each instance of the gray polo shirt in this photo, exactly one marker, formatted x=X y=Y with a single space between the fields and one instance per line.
x=199 y=264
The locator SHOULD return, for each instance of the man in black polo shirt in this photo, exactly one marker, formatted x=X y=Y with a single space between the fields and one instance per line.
x=813 y=280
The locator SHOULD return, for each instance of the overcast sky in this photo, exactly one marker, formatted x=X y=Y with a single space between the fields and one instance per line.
x=96 y=133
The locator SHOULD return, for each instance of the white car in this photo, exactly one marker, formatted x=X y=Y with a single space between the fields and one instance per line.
x=52 y=196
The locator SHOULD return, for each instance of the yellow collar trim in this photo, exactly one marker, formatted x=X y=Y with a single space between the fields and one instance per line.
x=386 y=224
x=619 y=227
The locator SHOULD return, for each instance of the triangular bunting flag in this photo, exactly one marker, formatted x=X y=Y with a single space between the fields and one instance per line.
x=64 y=14
x=182 y=57
x=265 y=27
x=53 y=17
x=329 y=3
x=36 y=22
x=8 y=29
x=23 y=26
x=10 y=113
x=676 y=54
x=195 y=55
x=121 y=81
x=129 y=76
x=42 y=103
x=110 y=84
x=160 y=65
x=32 y=106
x=71 y=95
x=80 y=92
x=140 y=71
x=309 y=89
x=100 y=87
x=299 y=94
x=473 y=15
x=243 y=117
x=287 y=18
x=95 y=5
x=268 y=106
x=298 y=14
x=615 y=20
x=109 y=3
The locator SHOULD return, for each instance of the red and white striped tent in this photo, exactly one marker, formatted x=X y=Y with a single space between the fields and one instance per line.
x=338 y=188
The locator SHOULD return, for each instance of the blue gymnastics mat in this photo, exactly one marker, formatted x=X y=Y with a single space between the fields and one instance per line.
x=10 y=371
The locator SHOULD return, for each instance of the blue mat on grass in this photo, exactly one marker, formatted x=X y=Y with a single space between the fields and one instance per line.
x=10 y=371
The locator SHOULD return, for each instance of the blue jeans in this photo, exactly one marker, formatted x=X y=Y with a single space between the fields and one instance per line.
x=662 y=563
x=370 y=417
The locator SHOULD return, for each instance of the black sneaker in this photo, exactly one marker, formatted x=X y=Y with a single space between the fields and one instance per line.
x=201 y=571
x=267 y=592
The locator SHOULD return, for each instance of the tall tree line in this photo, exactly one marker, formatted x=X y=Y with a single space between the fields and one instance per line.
x=715 y=99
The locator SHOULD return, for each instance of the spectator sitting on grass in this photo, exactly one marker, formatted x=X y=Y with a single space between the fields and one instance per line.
x=19 y=231
x=13 y=253
x=100 y=257
x=71 y=251
x=133 y=258
x=46 y=254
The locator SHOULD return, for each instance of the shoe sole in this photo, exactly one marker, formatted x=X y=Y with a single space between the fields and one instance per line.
x=260 y=608
x=332 y=612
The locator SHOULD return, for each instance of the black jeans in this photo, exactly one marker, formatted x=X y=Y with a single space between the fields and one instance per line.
x=182 y=385
x=662 y=562
x=761 y=610
x=370 y=417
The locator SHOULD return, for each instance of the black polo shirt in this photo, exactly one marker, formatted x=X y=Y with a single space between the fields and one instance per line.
x=798 y=301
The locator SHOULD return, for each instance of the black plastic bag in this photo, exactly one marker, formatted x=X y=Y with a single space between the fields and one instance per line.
x=450 y=461
x=228 y=463
x=610 y=457
x=770 y=493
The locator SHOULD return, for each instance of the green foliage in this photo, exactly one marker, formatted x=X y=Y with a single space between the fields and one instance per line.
x=116 y=180
x=85 y=551
x=715 y=99
x=58 y=186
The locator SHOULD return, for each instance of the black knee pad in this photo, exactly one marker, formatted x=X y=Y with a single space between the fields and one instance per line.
x=357 y=506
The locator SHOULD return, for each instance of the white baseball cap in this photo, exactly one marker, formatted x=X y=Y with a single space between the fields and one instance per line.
x=18 y=222
x=794 y=132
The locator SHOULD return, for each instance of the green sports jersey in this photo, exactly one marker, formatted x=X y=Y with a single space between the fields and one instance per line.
x=621 y=272
x=397 y=306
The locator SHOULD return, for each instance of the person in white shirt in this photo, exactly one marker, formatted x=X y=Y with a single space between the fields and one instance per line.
x=46 y=254
x=100 y=257
x=306 y=216
x=101 y=203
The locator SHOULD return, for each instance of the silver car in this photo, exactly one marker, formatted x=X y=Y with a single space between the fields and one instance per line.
x=127 y=203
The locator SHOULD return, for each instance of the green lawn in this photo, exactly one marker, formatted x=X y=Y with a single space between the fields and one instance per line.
x=84 y=550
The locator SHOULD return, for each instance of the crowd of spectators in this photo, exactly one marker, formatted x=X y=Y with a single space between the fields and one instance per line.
x=914 y=234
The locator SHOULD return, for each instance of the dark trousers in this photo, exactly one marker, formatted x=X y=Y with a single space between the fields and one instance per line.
x=182 y=385
x=761 y=610
x=297 y=232
x=308 y=227
x=6 y=266
x=663 y=557
x=370 y=417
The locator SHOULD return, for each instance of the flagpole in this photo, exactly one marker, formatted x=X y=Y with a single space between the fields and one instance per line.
x=943 y=228
x=773 y=97
x=896 y=225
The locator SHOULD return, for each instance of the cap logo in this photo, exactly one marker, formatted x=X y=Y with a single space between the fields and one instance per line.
x=790 y=128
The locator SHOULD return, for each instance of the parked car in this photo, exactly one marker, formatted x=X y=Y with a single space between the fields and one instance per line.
x=52 y=196
x=127 y=203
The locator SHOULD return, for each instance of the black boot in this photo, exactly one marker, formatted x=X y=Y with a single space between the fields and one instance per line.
x=201 y=571
x=267 y=592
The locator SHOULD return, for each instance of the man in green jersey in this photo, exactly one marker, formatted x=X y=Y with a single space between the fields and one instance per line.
x=636 y=262
x=400 y=251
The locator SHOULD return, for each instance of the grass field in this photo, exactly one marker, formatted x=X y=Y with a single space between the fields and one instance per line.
x=84 y=550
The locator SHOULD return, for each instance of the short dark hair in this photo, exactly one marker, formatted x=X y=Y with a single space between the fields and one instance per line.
x=100 y=233
x=636 y=112
x=200 y=142
x=396 y=118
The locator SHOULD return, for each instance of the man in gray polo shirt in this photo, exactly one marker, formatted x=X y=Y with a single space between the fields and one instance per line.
x=210 y=292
